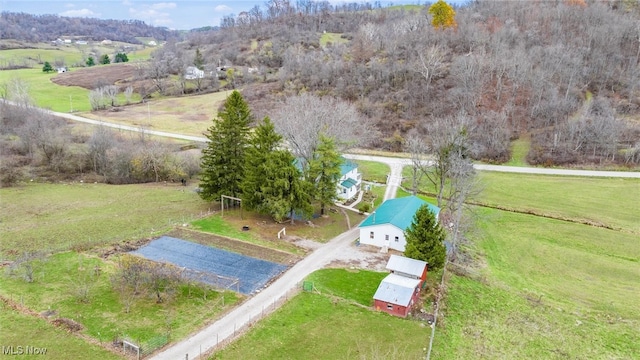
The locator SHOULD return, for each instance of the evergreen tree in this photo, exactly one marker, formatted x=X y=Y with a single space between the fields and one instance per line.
x=120 y=57
x=286 y=192
x=90 y=61
x=259 y=156
x=223 y=159
x=104 y=59
x=425 y=239
x=47 y=67
x=324 y=171
x=198 y=61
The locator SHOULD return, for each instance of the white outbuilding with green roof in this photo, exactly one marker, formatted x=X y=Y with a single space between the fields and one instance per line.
x=385 y=226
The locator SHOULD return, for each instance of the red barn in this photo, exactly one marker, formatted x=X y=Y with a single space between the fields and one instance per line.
x=400 y=289
x=396 y=294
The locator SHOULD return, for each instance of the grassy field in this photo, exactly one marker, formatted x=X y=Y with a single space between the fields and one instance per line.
x=519 y=151
x=101 y=312
x=46 y=94
x=373 y=171
x=189 y=115
x=356 y=285
x=607 y=202
x=332 y=324
x=70 y=55
x=54 y=217
x=17 y=329
x=551 y=288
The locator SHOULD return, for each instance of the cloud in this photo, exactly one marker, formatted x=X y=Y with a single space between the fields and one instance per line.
x=162 y=6
x=153 y=14
x=79 y=13
x=222 y=8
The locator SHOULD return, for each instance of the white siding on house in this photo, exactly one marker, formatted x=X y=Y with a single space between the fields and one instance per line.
x=383 y=235
x=347 y=192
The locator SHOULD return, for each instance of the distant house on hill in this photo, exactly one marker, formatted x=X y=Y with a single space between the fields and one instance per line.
x=106 y=42
x=399 y=290
x=193 y=73
x=350 y=180
x=62 y=69
x=152 y=43
x=385 y=226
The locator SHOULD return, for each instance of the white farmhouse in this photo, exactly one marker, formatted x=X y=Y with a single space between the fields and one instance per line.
x=385 y=226
x=350 y=180
x=193 y=73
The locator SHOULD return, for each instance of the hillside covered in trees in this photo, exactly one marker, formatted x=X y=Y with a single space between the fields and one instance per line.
x=564 y=73
x=561 y=76
x=41 y=28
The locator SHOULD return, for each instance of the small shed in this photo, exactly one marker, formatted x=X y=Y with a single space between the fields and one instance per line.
x=396 y=294
x=407 y=267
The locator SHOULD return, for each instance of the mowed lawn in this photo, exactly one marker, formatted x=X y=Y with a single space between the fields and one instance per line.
x=332 y=323
x=55 y=217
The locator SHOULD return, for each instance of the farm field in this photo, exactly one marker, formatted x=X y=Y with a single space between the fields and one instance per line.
x=189 y=115
x=604 y=202
x=18 y=329
x=71 y=97
x=67 y=286
x=56 y=217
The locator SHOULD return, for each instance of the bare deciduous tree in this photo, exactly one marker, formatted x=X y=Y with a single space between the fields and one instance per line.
x=302 y=119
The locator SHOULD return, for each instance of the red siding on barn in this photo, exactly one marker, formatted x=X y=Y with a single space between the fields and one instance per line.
x=395 y=310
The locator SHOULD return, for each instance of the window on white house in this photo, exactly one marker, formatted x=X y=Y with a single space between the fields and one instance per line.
x=386 y=237
x=371 y=235
x=397 y=239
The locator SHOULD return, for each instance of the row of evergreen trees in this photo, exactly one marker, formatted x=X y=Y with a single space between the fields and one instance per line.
x=255 y=166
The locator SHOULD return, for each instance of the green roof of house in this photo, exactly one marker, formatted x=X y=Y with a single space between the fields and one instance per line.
x=347 y=165
x=348 y=183
x=398 y=212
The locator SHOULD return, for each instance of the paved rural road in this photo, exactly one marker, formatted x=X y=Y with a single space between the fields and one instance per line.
x=391 y=161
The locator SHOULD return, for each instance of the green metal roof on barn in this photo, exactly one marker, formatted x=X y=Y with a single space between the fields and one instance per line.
x=398 y=212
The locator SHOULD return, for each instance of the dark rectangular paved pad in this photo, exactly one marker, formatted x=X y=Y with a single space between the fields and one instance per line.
x=253 y=273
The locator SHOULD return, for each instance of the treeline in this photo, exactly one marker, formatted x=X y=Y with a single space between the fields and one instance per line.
x=35 y=144
x=41 y=28
x=565 y=73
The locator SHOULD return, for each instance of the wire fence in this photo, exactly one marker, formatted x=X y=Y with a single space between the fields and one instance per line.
x=243 y=325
